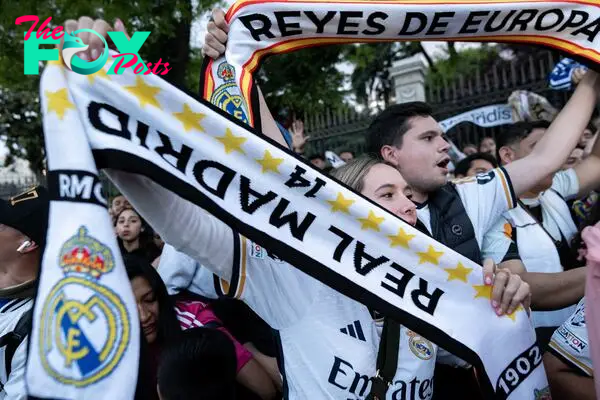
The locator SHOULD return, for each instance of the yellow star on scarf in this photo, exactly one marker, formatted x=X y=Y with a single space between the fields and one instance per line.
x=483 y=291
x=430 y=256
x=232 y=142
x=513 y=315
x=269 y=163
x=341 y=204
x=190 y=119
x=371 y=222
x=144 y=92
x=459 y=273
x=99 y=74
x=59 y=102
x=400 y=239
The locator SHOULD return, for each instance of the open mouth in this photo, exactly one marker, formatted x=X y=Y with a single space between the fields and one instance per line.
x=444 y=163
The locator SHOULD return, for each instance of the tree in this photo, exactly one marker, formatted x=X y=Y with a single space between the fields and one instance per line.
x=170 y=24
x=22 y=130
x=306 y=81
x=464 y=62
x=370 y=79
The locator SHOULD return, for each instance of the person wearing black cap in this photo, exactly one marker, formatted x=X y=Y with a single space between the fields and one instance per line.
x=23 y=228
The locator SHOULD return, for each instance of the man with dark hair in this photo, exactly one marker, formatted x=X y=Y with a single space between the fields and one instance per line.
x=394 y=122
x=460 y=214
x=23 y=227
x=543 y=228
x=518 y=137
x=201 y=364
x=407 y=136
x=475 y=164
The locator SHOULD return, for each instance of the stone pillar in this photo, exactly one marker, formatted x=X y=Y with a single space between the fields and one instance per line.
x=408 y=77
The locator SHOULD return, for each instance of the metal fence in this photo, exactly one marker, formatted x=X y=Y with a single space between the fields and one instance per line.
x=342 y=130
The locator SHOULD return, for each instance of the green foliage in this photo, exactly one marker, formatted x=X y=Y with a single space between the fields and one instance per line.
x=192 y=75
x=22 y=130
x=169 y=21
x=372 y=62
x=303 y=81
x=370 y=78
x=464 y=62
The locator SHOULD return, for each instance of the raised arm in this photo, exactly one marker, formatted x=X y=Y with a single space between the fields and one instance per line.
x=551 y=152
x=214 y=46
x=183 y=225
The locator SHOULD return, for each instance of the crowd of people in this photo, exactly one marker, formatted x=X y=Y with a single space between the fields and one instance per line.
x=223 y=318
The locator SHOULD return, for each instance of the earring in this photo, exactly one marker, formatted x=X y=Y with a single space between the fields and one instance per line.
x=23 y=246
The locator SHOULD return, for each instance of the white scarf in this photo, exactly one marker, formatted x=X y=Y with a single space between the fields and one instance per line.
x=556 y=216
x=262 y=28
x=86 y=330
x=143 y=125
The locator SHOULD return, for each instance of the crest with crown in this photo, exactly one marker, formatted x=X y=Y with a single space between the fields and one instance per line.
x=82 y=254
x=226 y=72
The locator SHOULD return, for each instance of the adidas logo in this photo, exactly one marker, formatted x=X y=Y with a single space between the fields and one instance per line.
x=354 y=330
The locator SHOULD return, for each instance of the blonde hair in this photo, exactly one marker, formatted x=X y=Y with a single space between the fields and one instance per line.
x=353 y=173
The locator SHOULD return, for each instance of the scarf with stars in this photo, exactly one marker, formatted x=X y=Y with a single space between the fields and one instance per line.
x=143 y=125
x=85 y=338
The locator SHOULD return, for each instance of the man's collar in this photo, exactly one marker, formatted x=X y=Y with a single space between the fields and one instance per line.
x=422 y=205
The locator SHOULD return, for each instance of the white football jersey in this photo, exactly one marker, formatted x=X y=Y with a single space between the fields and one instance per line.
x=329 y=342
x=570 y=342
x=485 y=197
x=536 y=244
x=13 y=386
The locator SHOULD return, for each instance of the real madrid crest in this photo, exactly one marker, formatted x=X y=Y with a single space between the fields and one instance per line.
x=85 y=328
x=420 y=347
x=227 y=96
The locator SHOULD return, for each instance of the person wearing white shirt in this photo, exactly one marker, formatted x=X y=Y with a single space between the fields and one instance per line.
x=329 y=342
x=543 y=228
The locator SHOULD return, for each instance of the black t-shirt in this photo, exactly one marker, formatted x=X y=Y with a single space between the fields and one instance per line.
x=148 y=252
